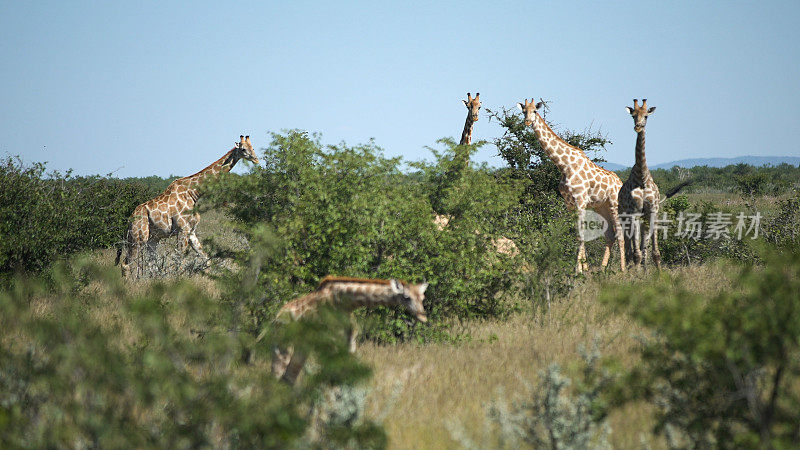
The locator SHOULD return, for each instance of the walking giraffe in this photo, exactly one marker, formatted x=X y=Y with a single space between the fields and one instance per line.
x=639 y=196
x=171 y=212
x=584 y=184
x=345 y=294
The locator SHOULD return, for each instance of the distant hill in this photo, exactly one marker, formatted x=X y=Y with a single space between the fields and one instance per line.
x=611 y=166
x=717 y=162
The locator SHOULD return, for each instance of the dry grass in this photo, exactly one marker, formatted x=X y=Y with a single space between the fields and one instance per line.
x=442 y=384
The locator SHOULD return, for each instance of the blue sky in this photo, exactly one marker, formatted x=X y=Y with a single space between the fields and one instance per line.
x=140 y=88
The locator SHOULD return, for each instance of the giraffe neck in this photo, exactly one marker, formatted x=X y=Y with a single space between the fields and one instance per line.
x=639 y=170
x=224 y=164
x=466 y=135
x=556 y=148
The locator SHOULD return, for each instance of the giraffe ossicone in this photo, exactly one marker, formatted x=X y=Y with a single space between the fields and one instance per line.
x=172 y=212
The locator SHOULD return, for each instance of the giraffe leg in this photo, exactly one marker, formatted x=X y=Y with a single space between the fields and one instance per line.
x=352 y=332
x=138 y=234
x=198 y=248
x=654 y=236
x=187 y=227
x=615 y=223
x=609 y=236
x=294 y=368
x=627 y=232
x=581 y=244
x=131 y=254
x=645 y=239
x=280 y=361
x=606 y=253
x=636 y=241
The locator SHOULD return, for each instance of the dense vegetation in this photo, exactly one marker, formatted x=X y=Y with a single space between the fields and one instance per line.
x=46 y=216
x=350 y=211
x=87 y=360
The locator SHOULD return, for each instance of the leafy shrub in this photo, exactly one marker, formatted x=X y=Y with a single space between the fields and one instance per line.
x=783 y=231
x=682 y=248
x=350 y=211
x=557 y=415
x=737 y=178
x=86 y=363
x=720 y=371
x=45 y=216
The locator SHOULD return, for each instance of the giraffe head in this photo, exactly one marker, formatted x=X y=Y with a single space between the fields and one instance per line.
x=410 y=296
x=529 y=109
x=473 y=105
x=639 y=114
x=244 y=149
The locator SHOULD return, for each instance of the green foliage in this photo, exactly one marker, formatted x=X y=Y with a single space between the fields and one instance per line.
x=86 y=363
x=721 y=371
x=738 y=178
x=338 y=421
x=552 y=264
x=345 y=210
x=556 y=414
x=783 y=230
x=46 y=216
x=679 y=247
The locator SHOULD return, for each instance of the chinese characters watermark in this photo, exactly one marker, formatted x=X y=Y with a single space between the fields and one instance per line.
x=715 y=226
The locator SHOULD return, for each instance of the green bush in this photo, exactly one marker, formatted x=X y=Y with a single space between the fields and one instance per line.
x=346 y=210
x=556 y=414
x=85 y=363
x=720 y=371
x=46 y=216
x=783 y=230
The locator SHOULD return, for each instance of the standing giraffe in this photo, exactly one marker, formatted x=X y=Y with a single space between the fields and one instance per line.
x=583 y=184
x=345 y=294
x=473 y=108
x=171 y=212
x=639 y=196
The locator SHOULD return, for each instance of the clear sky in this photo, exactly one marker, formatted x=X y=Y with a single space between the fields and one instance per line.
x=141 y=88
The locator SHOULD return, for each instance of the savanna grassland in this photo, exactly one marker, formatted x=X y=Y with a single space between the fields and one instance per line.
x=518 y=349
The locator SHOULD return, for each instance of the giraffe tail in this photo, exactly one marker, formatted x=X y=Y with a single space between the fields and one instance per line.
x=677 y=189
x=119 y=253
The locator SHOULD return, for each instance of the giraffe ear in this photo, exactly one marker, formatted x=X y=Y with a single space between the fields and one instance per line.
x=396 y=286
x=539 y=105
x=519 y=106
x=630 y=110
x=465 y=103
x=651 y=110
x=422 y=287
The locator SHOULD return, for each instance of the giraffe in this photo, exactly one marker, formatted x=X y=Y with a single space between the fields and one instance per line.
x=639 y=195
x=473 y=107
x=171 y=212
x=583 y=184
x=345 y=294
x=502 y=245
